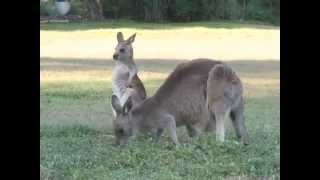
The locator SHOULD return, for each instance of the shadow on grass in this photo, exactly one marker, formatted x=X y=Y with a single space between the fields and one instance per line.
x=87 y=103
x=150 y=65
x=64 y=119
x=154 y=26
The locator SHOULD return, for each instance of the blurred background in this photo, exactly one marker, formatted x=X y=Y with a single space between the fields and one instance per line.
x=170 y=10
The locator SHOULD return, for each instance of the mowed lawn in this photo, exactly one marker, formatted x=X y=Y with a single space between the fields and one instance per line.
x=76 y=138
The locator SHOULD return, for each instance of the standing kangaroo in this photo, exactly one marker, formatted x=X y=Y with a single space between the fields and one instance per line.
x=195 y=94
x=125 y=81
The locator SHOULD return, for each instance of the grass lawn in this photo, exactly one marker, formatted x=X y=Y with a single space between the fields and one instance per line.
x=76 y=139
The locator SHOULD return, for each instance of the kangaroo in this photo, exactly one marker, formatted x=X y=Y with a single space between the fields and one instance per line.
x=225 y=97
x=125 y=81
x=183 y=100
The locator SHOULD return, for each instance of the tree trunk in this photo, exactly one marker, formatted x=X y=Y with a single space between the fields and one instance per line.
x=153 y=10
x=94 y=9
x=244 y=15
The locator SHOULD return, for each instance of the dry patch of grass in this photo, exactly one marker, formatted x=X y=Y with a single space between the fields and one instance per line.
x=172 y=43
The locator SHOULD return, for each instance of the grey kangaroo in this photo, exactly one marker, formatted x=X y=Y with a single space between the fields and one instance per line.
x=196 y=94
x=125 y=81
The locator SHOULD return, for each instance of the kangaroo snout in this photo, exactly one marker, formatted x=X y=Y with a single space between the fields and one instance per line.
x=115 y=56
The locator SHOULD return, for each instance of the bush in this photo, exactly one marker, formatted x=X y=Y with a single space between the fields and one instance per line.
x=185 y=10
x=77 y=8
x=179 y=10
x=43 y=10
x=227 y=9
x=264 y=10
x=48 y=8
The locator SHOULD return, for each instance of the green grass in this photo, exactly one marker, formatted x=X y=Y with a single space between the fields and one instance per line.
x=76 y=139
x=156 y=26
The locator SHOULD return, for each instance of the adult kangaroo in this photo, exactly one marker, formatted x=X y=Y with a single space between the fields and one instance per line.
x=196 y=94
x=125 y=81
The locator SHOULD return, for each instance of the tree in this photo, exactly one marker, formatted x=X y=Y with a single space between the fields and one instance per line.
x=155 y=10
x=94 y=9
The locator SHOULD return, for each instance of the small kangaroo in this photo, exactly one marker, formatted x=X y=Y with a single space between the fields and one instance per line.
x=125 y=81
x=195 y=94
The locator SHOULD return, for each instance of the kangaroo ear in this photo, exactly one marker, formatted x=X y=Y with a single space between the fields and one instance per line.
x=116 y=104
x=131 y=38
x=120 y=37
x=127 y=106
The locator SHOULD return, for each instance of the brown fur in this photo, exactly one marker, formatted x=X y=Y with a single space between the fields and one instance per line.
x=226 y=98
x=181 y=100
x=138 y=86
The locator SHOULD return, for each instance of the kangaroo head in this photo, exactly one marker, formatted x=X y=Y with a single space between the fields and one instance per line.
x=124 y=50
x=122 y=123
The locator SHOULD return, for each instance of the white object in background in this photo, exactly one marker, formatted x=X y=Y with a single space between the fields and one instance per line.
x=63 y=7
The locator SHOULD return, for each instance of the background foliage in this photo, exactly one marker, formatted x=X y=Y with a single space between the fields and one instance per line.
x=173 y=10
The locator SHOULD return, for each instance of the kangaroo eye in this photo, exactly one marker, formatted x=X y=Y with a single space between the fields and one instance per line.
x=122 y=50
